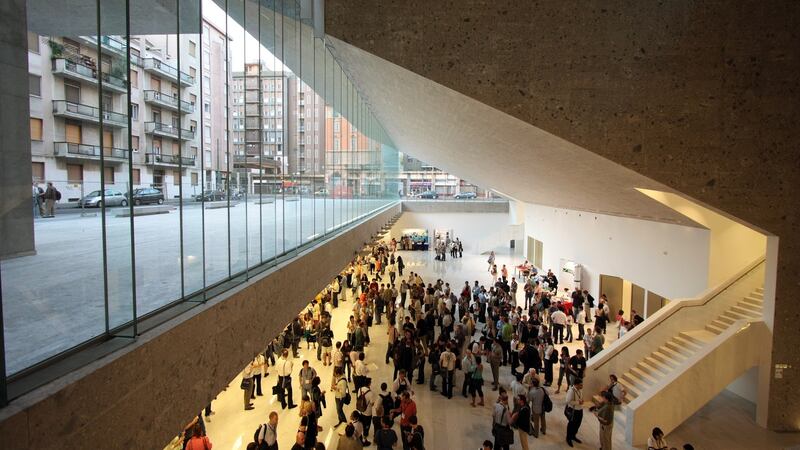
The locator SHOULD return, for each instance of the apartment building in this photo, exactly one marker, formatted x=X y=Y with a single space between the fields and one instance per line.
x=306 y=157
x=417 y=176
x=76 y=91
x=352 y=159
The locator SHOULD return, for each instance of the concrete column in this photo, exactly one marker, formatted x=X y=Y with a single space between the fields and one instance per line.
x=16 y=208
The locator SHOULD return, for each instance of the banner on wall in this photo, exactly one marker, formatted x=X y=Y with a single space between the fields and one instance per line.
x=569 y=276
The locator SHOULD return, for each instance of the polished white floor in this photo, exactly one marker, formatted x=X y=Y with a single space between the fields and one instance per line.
x=725 y=423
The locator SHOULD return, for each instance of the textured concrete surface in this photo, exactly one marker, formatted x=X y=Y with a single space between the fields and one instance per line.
x=454 y=206
x=15 y=137
x=139 y=396
x=701 y=97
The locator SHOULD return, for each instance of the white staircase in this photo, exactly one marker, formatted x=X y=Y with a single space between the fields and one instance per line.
x=661 y=362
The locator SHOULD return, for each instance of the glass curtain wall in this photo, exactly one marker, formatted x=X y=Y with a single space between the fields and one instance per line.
x=189 y=152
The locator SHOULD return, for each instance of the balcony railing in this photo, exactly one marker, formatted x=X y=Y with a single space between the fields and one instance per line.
x=82 y=72
x=112 y=45
x=168 y=101
x=165 y=129
x=69 y=149
x=89 y=113
x=158 y=66
x=170 y=160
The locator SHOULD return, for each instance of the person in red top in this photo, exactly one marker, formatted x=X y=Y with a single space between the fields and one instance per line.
x=198 y=441
x=406 y=409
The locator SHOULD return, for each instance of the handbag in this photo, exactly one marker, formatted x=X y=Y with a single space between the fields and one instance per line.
x=246 y=383
x=568 y=412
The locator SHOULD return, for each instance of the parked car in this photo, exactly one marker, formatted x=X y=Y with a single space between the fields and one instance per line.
x=94 y=200
x=428 y=194
x=465 y=195
x=143 y=196
x=322 y=193
x=211 y=196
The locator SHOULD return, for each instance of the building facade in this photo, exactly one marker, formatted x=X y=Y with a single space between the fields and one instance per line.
x=77 y=91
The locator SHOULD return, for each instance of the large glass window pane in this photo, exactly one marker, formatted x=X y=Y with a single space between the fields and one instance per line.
x=187 y=97
x=117 y=162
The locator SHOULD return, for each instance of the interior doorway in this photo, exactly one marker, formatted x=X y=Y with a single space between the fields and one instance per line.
x=534 y=254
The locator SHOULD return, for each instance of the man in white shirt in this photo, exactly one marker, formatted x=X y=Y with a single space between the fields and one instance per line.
x=366 y=415
x=559 y=320
x=360 y=371
x=268 y=433
x=284 y=367
x=447 y=364
x=581 y=323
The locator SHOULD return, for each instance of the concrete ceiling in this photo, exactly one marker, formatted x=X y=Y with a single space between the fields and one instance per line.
x=488 y=147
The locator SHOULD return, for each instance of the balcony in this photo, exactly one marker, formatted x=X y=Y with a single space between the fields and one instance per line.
x=168 y=102
x=166 y=130
x=86 y=113
x=111 y=46
x=159 y=159
x=165 y=70
x=70 y=151
x=84 y=73
x=250 y=161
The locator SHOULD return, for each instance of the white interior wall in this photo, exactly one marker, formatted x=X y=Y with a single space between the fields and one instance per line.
x=665 y=258
x=733 y=244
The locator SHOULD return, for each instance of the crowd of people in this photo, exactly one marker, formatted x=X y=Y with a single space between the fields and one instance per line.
x=455 y=340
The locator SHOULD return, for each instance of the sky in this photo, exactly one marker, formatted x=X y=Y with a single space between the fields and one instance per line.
x=243 y=46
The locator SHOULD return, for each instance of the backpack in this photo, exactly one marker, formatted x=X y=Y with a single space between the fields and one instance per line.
x=347 y=397
x=58 y=194
x=361 y=402
x=547 y=404
x=553 y=356
x=387 y=402
x=325 y=340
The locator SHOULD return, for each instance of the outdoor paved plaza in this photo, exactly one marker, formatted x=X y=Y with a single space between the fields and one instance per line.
x=55 y=299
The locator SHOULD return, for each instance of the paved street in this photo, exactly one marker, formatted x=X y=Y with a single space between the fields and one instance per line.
x=54 y=300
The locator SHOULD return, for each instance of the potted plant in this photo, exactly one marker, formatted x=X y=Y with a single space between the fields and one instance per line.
x=56 y=49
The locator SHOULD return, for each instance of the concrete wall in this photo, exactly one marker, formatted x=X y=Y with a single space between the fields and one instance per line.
x=140 y=396
x=16 y=208
x=651 y=254
x=455 y=206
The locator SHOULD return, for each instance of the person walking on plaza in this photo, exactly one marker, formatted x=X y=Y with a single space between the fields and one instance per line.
x=248 y=385
x=447 y=365
x=605 y=415
x=267 y=434
x=341 y=394
x=495 y=359
x=501 y=424
x=284 y=368
x=50 y=197
x=536 y=397
x=38 y=208
x=574 y=411
x=491 y=261
x=521 y=418
x=307 y=375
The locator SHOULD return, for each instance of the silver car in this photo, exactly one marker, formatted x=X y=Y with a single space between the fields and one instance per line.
x=93 y=199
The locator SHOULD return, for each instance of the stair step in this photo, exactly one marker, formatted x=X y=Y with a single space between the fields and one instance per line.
x=665 y=359
x=745 y=312
x=693 y=338
x=735 y=315
x=634 y=379
x=760 y=290
x=702 y=336
x=665 y=369
x=650 y=369
x=671 y=355
x=749 y=306
x=683 y=346
x=725 y=319
x=716 y=329
x=644 y=375
x=632 y=390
